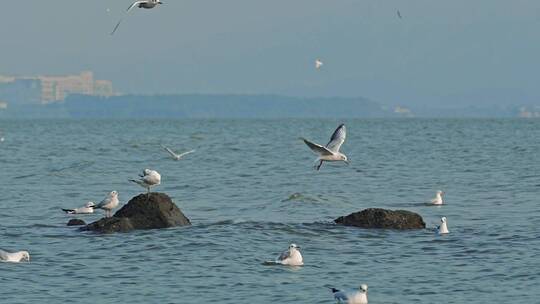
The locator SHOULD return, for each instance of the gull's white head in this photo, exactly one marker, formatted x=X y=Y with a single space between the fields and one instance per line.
x=25 y=256
x=440 y=193
x=146 y=171
x=293 y=247
x=113 y=193
x=344 y=158
x=89 y=204
x=363 y=288
x=443 y=219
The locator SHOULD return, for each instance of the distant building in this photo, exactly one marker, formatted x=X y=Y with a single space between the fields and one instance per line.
x=47 y=89
x=403 y=111
x=20 y=91
x=526 y=113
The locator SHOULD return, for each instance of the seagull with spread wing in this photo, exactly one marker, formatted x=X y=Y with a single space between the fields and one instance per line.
x=176 y=156
x=147 y=180
x=318 y=64
x=148 y=4
x=331 y=151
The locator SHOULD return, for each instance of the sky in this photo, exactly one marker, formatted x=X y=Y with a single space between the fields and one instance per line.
x=441 y=53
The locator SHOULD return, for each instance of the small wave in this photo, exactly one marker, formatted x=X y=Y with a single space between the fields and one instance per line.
x=299 y=197
x=24 y=176
x=77 y=165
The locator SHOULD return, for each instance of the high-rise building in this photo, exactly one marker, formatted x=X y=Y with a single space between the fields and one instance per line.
x=22 y=90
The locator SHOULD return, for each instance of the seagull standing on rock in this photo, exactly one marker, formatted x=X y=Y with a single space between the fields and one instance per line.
x=14 y=257
x=88 y=208
x=149 y=179
x=148 y=4
x=108 y=203
x=331 y=151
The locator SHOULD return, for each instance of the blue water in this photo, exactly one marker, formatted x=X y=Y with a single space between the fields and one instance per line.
x=250 y=190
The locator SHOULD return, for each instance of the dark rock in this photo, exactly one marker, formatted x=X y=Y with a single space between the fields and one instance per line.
x=382 y=218
x=142 y=212
x=76 y=222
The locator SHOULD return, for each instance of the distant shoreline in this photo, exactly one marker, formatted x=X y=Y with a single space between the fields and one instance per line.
x=195 y=106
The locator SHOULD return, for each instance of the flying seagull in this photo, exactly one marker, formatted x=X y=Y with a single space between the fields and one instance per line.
x=148 y=179
x=318 y=64
x=148 y=4
x=331 y=151
x=108 y=203
x=399 y=14
x=176 y=156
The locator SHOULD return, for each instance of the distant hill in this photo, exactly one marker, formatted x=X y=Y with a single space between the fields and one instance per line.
x=248 y=106
x=220 y=106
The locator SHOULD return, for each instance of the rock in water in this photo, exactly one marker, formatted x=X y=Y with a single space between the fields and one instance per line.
x=76 y=222
x=382 y=218
x=142 y=212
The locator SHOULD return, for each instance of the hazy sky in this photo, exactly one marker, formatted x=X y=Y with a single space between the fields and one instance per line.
x=441 y=52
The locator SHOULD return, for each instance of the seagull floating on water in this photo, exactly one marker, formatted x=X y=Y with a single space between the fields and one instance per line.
x=356 y=297
x=331 y=151
x=176 y=156
x=148 y=4
x=359 y=297
x=149 y=179
x=289 y=257
x=86 y=209
x=438 y=198
x=108 y=203
x=318 y=64
x=14 y=257
x=443 y=229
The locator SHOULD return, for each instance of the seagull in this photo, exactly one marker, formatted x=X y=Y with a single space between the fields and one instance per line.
x=438 y=198
x=359 y=297
x=148 y=179
x=176 y=156
x=399 y=14
x=340 y=296
x=318 y=64
x=148 y=4
x=14 y=257
x=86 y=209
x=331 y=151
x=108 y=203
x=356 y=297
x=291 y=257
x=443 y=229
